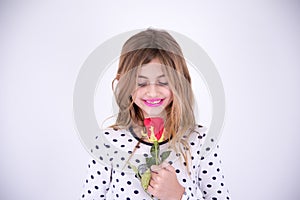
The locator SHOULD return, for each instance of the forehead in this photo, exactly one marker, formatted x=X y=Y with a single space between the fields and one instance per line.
x=151 y=70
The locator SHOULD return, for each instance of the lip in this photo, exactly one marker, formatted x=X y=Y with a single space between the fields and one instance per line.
x=153 y=102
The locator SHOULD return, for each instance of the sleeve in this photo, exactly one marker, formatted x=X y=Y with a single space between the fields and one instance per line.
x=211 y=180
x=97 y=181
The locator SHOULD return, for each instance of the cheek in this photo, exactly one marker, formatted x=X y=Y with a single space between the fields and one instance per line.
x=169 y=93
x=171 y=97
x=137 y=93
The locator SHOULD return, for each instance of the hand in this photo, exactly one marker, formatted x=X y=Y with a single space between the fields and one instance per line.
x=164 y=184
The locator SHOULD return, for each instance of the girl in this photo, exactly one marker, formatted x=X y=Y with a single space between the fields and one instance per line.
x=153 y=82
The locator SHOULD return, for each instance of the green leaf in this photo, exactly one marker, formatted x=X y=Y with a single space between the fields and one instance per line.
x=135 y=169
x=165 y=155
x=142 y=168
x=145 y=179
x=150 y=161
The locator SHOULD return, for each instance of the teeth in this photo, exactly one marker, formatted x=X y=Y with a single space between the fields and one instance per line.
x=153 y=102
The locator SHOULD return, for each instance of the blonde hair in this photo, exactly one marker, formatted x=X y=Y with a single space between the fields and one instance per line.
x=138 y=50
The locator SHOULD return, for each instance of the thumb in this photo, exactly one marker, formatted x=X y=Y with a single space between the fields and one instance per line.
x=155 y=168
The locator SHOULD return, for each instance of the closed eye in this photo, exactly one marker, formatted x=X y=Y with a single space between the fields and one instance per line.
x=163 y=83
x=142 y=84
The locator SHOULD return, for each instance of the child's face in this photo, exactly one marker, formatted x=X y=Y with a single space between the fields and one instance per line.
x=152 y=93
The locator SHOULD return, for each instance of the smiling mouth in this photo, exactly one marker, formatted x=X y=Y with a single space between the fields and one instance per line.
x=153 y=102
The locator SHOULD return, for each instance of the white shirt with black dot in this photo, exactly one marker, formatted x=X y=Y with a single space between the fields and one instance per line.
x=206 y=179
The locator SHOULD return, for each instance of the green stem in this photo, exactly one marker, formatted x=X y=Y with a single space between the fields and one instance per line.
x=156 y=153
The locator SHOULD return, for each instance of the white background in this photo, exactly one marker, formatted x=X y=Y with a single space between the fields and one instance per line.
x=255 y=46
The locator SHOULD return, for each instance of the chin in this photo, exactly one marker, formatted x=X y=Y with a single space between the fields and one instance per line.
x=153 y=114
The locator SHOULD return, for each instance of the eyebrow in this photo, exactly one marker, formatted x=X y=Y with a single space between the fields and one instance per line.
x=145 y=77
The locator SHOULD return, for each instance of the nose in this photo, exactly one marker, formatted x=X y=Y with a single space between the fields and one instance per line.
x=152 y=90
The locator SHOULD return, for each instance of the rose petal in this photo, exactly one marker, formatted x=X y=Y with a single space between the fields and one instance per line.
x=155 y=128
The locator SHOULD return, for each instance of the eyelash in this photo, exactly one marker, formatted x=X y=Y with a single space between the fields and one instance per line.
x=159 y=83
x=141 y=84
x=163 y=83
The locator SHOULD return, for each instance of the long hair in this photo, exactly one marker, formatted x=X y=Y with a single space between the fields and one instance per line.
x=138 y=50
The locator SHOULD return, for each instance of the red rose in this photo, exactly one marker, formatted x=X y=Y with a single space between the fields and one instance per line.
x=155 y=129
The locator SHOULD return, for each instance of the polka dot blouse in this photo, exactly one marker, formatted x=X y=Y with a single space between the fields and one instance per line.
x=107 y=178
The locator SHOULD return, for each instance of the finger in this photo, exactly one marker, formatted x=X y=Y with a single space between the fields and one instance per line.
x=151 y=190
x=170 y=168
x=164 y=164
x=154 y=177
x=153 y=185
